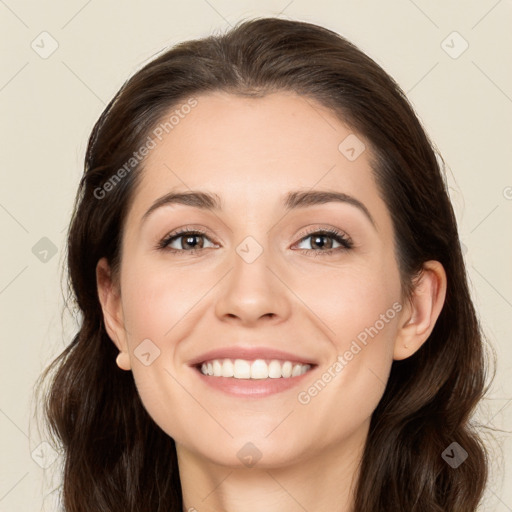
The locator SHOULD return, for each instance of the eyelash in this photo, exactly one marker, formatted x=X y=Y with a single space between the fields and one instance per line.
x=338 y=236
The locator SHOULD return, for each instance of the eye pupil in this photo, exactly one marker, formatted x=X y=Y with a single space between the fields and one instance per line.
x=323 y=245
x=188 y=239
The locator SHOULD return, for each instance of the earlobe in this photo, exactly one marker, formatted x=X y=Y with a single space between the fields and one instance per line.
x=123 y=361
x=419 y=317
x=110 y=300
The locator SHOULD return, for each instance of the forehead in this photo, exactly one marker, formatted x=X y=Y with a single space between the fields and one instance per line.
x=253 y=150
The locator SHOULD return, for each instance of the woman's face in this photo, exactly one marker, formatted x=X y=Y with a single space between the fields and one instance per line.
x=262 y=283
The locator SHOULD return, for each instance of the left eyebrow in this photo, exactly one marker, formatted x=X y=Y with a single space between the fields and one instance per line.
x=303 y=199
x=293 y=200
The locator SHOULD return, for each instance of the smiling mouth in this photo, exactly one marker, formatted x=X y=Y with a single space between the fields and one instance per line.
x=253 y=369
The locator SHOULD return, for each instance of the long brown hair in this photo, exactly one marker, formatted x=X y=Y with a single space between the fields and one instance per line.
x=116 y=457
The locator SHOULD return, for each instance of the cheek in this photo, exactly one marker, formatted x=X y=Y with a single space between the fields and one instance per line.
x=359 y=311
x=346 y=392
x=349 y=301
x=161 y=308
x=158 y=308
x=155 y=301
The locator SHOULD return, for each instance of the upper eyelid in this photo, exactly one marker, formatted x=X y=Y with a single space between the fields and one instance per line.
x=302 y=234
x=328 y=231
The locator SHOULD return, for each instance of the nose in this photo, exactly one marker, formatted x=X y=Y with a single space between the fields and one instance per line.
x=252 y=293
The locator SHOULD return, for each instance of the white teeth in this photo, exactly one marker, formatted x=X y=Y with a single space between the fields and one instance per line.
x=286 y=369
x=217 y=368
x=296 y=370
x=227 y=368
x=274 y=370
x=257 y=369
x=241 y=369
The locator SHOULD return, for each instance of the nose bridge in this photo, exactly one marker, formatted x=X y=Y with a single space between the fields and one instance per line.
x=252 y=290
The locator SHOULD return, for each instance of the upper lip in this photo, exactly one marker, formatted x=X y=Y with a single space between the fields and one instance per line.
x=250 y=353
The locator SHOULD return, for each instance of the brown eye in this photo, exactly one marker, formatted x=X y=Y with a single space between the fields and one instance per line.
x=324 y=242
x=186 y=241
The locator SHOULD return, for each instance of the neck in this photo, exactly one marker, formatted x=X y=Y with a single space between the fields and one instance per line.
x=323 y=481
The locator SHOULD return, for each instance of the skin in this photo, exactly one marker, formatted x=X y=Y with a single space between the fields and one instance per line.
x=251 y=152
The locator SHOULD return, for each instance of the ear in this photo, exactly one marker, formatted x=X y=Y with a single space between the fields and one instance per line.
x=418 y=318
x=110 y=300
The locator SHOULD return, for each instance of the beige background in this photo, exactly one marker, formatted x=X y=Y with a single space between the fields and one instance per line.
x=48 y=107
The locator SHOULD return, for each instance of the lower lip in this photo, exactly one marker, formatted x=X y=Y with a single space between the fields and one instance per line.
x=252 y=388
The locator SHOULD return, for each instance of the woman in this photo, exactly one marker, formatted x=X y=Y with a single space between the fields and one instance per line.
x=275 y=307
